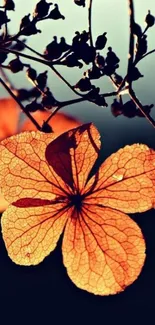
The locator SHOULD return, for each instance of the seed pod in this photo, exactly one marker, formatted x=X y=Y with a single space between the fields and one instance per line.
x=83 y=84
x=99 y=61
x=137 y=30
x=16 y=65
x=117 y=78
x=41 y=9
x=149 y=19
x=71 y=61
x=55 y=13
x=108 y=70
x=86 y=53
x=101 y=41
x=48 y=100
x=53 y=50
x=30 y=30
x=111 y=58
x=84 y=36
x=23 y=94
x=129 y=109
x=46 y=128
x=80 y=2
x=134 y=74
x=63 y=45
x=25 y=21
x=31 y=73
x=100 y=101
x=9 y=5
x=93 y=94
x=42 y=80
x=93 y=73
x=34 y=106
x=116 y=108
x=28 y=27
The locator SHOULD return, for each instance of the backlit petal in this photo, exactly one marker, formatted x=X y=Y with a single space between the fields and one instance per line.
x=31 y=233
x=73 y=154
x=103 y=250
x=24 y=171
x=126 y=180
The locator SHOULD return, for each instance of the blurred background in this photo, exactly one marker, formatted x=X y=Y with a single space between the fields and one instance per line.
x=44 y=294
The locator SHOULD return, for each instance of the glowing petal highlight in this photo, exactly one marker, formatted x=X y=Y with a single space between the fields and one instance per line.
x=126 y=180
x=31 y=233
x=103 y=250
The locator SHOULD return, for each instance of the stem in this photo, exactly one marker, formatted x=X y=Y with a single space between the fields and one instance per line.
x=5 y=28
x=145 y=30
x=140 y=106
x=5 y=66
x=131 y=41
x=25 y=56
x=131 y=44
x=30 y=48
x=48 y=63
x=42 y=56
x=146 y=54
x=20 y=104
x=65 y=81
x=6 y=79
x=90 y=21
x=65 y=103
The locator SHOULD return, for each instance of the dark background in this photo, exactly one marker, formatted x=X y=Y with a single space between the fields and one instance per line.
x=44 y=294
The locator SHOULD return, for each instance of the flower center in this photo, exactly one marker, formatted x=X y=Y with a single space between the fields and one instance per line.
x=76 y=200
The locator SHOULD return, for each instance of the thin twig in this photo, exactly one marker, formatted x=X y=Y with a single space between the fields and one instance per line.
x=30 y=48
x=65 y=103
x=140 y=106
x=65 y=81
x=131 y=44
x=145 y=30
x=56 y=62
x=5 y=28
x=90 y=21
x=146 y=54
x=20 y=104
x=131 y=41
x=46 y=62
x=6 y=79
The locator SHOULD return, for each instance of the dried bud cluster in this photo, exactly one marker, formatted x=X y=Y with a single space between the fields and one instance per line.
x=78 y=53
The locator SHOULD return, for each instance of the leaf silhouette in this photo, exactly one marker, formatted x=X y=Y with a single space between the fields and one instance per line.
x=45 y=177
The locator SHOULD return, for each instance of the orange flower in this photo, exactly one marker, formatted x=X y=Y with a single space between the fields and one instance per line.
x=46 y=180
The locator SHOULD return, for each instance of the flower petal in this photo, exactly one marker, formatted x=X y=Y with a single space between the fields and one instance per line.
x=31 y=233
x=60 y=122
x=126 y=180
x=3 y=203
x=103 y=250
x=72 y=154
x=24 y=171
x=9 y=117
